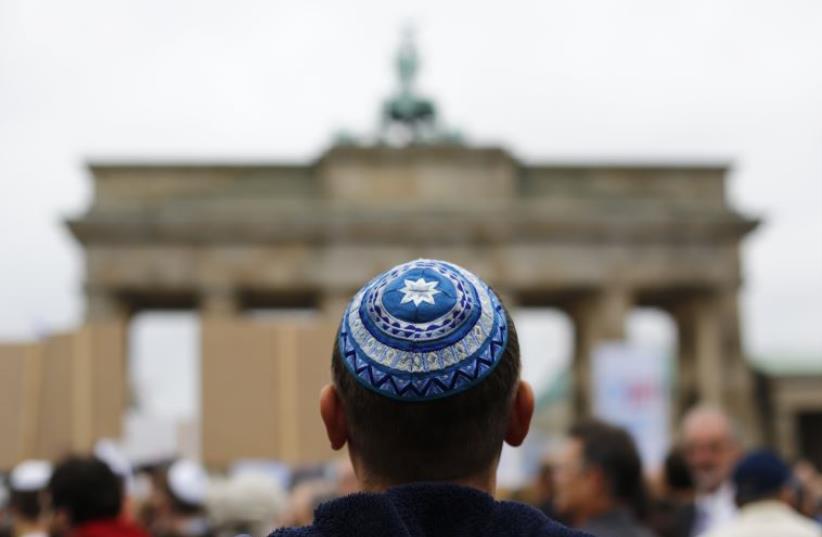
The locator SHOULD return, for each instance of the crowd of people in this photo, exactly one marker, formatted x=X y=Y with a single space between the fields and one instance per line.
x=424 y=439
x=708 y=486
x=595 y=482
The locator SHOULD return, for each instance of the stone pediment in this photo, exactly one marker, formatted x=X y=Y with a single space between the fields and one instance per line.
x=414 y=194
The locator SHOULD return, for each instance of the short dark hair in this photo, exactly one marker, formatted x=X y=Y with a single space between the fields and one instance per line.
x=26 y=503
x=444 y=439
x=87 y=489
x=677 y=475
x=612 y=450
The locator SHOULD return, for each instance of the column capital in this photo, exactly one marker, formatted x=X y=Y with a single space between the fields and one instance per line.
x=219 y=301
x=104 y=304
x=604 y=311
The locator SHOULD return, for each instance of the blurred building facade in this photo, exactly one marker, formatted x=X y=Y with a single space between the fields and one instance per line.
x=592 y=240
x=789 y=396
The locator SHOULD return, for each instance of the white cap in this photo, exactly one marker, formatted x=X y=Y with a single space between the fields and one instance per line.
x=30 y=475
x=188 y=481
x=107 y=451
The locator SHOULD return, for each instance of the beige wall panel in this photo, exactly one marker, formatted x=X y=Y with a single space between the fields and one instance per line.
x=54 y=436
x=61 y=395
x=108 y=381
x=239 y=392
x=12 y=403
x=315 y=343
x=261 y=383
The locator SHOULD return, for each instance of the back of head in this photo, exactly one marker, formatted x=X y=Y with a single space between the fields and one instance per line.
x=426 y=363
x=759 y=475
x=86 y=490
x=612 y=450
x=26 y=482
x=186 y=485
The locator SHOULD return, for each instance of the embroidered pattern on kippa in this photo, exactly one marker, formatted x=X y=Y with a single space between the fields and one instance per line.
x=423 y=330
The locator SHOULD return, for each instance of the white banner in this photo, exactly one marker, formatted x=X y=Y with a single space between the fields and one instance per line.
x=630 y=389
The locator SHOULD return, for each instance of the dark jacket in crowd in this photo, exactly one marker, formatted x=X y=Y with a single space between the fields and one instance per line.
x=616 y=523
x=427 y=510
x=672 y=519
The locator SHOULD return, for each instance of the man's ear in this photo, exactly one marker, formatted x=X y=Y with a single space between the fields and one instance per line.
x=333 y=415
x=522 y=409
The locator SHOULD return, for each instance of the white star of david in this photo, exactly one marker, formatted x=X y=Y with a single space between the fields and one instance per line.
x=419 y=291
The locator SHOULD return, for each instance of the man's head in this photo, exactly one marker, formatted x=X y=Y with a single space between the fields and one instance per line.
x=84 y=489
x=598 y=470
x=710 y=446
x=426 y=378
x=761 y=475
x=26 y=483
x=185 y=490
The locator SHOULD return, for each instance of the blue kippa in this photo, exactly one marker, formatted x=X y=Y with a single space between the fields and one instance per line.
x=423 y=330
x=760 y=473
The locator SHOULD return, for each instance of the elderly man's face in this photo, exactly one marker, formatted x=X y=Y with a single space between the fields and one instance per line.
x=710 y=451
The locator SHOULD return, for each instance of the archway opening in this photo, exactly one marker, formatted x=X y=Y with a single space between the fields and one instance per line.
x=163 y=415
x=633 y=379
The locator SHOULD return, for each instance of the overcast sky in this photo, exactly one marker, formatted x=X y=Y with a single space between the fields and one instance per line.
x=579 y=80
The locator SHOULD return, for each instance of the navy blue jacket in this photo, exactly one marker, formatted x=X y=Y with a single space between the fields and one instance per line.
x=427 y=510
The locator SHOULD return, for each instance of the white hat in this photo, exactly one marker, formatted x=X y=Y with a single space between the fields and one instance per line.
x=188 y=481
x=107 y=451
x=30 y=475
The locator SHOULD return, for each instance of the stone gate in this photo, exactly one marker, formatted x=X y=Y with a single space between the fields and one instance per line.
x=594 y=240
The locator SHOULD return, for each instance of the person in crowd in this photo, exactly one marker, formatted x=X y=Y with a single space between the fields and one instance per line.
x=425 y=390
x=27 y=482
x=672 y=510
x=249 y=501
x=86 y=500
x=599 y=483
x=5 y=516
x=110 y=453
x=181 y=502
x=711 y=449
x=539 y=492
x=763 y=494
x=305 y=497
x=545 y=487
x=808 y=485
